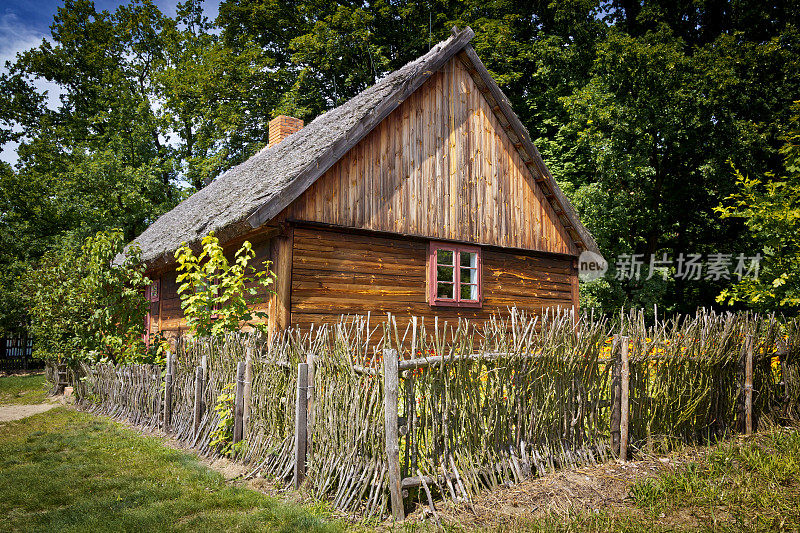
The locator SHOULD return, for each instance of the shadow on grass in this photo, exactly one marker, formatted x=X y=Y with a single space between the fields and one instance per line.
x=69 y=471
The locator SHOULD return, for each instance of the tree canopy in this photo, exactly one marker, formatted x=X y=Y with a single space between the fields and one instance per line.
x=637 y=107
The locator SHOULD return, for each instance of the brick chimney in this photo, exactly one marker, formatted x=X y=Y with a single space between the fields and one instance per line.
x=281 y=127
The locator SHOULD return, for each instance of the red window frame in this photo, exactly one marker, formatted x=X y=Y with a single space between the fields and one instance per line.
x=151 y=295
x=433 y=280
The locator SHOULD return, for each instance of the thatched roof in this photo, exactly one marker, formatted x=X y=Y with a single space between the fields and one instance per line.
x=252 y=193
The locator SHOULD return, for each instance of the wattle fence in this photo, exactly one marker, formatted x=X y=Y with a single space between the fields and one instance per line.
x=440 y=410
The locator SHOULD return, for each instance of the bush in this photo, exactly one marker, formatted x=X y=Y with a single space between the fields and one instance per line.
x=88 y=303
x=213 y=290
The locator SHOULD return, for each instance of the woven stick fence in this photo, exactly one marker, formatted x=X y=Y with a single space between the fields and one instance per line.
x=438 y=410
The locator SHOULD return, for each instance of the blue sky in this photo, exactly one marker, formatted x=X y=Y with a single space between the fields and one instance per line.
x=24 y=23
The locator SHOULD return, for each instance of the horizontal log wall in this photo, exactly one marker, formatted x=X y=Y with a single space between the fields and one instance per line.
x=166 y=313
x=338 y=272
x=439 y=166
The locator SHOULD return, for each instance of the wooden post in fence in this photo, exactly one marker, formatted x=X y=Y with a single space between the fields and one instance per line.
x=168 y=379
x=391 y=379
x=61 y=377
x=238 y=406
x=748 y=386
x=624 y=407
x=311 y=397
x=300 y=425
x=248 y=387
x=616 y=398
x=199 y=381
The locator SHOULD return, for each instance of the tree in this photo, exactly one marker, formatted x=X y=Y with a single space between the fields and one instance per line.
x=86 y=307
x=770 y=207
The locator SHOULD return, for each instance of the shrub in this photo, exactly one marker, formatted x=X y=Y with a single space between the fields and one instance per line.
x=85 y=306
x=213 y=290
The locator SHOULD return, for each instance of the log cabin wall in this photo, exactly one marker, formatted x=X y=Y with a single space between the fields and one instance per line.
x=337 y=272
x=439 y=166
x=165 y=313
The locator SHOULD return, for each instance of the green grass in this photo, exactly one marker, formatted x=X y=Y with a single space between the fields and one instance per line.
x=22 y=389
x=69 y=471
x=741 y=485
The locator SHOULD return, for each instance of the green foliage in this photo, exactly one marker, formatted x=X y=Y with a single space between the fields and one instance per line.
x=214 y=292
x=85 y=307
x=770 y=207
x=222 y=436
x=636 y=108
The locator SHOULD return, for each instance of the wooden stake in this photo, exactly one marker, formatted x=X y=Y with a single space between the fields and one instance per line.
x=199 y=381
x=615 y=397
x=248 y=388
x=624 y=405
x=748 y=386
x=301 y=425
x=238 y=409
x=168 y=379
x=390 y=382
x=310 y=404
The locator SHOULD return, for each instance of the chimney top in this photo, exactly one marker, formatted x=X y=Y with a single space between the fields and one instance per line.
x=281 y=127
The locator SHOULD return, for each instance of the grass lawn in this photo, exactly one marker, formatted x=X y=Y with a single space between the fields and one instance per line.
x=23 y=389
x=69 y=471
x=745 y=484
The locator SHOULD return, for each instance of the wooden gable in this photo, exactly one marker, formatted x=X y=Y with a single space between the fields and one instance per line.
x=440 y=166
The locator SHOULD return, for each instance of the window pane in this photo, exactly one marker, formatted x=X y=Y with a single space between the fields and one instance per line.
x=469 y=259
x=469 y=275
x=444 y=257
x=444 y=290
x=445 y=273
x=469 y=292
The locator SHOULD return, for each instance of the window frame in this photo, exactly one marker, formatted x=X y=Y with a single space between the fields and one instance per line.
x=433 y=281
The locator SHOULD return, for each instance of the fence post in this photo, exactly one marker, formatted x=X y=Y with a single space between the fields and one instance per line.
x=391 y=380
x=248 y=387
x=238 y=406
x=300 y=425
x=61 y=377
x=168 y=379
x=311 y=398
x=199 y=380
x=616 y=368
x=748 y=386
x=624 y=411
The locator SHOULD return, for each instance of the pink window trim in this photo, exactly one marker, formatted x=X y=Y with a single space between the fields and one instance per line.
x=433 y=300
x=146 y=334
x=152 y=293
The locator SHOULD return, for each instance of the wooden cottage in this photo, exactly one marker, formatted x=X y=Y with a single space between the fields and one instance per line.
x=423 y=195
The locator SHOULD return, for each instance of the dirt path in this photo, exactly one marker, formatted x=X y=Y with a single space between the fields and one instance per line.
x=16 y=412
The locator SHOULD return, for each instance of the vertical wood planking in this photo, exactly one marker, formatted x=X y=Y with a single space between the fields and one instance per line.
x=390 y=384
x=424 y=169
x=300 y=425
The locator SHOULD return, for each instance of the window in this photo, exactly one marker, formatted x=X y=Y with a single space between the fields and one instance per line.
x=454 y=275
